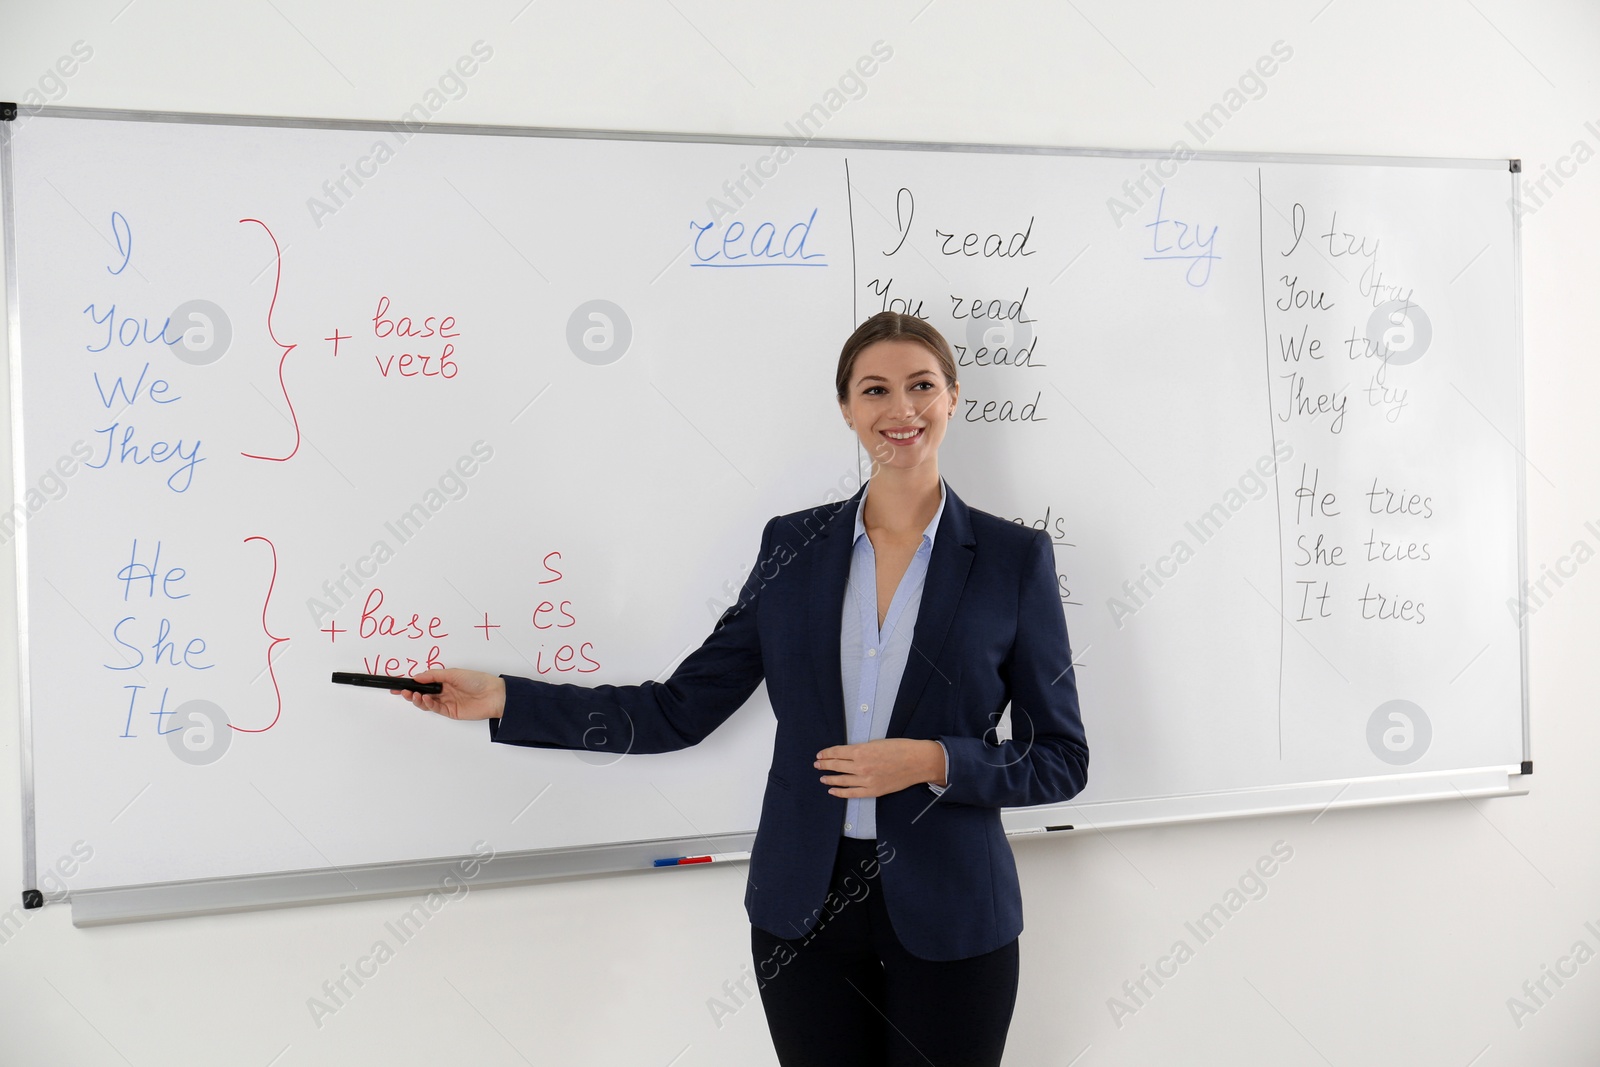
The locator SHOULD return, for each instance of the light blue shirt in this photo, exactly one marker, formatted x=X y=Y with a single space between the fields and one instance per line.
x=871 y=663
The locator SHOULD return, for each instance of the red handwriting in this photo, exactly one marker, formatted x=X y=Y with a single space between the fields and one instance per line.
x=551 y=616
x=552 y=570
x=547 y=608
x=562 y=660
x=273 y=642
x=374 y=624
x=402 y=666
x=381 y=623
x=277 y=281
x=383 y=326
x=416 y=364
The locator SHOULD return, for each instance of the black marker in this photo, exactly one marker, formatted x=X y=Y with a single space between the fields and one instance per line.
x=384 y=681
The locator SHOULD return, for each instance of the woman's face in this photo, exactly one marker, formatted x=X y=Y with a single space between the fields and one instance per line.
x=898 y=403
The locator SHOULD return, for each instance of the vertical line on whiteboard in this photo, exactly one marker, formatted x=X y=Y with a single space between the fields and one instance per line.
x=855 y=313
x=1266 y=353
x=850 y=214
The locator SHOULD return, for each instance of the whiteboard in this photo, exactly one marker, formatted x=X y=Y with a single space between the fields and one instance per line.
x=296 y=397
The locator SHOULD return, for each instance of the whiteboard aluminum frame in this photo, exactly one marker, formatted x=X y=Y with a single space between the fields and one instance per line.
x=1321 y=797
x=324 y=885
x=19 y=481
x=378 y=125
x=321 y=885
x=1515 y=203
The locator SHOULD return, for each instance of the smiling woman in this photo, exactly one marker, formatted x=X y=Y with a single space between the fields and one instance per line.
x=893 y=630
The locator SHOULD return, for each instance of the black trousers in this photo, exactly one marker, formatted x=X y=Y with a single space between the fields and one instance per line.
x=850 y=995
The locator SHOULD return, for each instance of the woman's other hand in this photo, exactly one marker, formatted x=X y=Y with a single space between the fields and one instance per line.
x=874 y=768
x=466 y=695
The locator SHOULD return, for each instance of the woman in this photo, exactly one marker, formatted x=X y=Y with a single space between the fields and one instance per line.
x=892 y=630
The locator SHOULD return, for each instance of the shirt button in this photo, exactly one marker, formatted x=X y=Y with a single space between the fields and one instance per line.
x=847 y=826
x=872 y=652
x=864 y=707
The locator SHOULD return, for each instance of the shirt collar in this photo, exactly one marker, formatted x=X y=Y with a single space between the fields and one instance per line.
x=927 y=534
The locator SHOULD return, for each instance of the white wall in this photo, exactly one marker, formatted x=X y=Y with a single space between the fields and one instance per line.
x=1393 y=936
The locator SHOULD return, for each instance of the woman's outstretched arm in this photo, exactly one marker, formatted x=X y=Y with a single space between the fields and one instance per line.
x=710 y=684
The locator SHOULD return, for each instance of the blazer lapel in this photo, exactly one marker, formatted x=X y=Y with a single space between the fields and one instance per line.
x=826 y=581
x=941 y=591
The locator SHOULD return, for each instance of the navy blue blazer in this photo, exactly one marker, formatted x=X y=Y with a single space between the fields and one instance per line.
x=990 y=630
